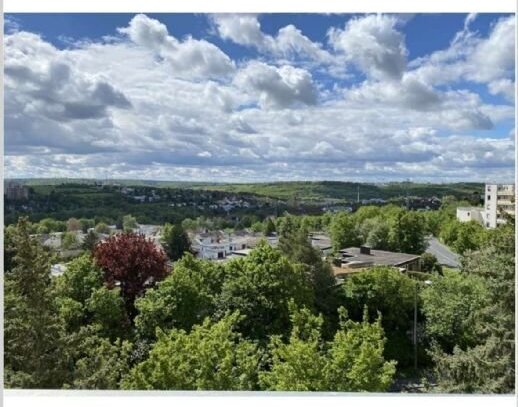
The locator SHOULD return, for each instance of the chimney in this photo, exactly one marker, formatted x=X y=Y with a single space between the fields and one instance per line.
x=365 y=250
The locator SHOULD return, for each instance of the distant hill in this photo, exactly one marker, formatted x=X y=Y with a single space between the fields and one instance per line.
x=304 y=191
x=335 y=190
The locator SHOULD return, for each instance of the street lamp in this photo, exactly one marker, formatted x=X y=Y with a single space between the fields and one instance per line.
x=427 y=282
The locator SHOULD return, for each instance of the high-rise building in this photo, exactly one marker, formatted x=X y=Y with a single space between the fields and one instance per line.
x=498 y=200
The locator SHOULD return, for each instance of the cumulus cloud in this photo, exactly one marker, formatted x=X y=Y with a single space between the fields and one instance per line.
x=188 y=58
x=289 y=43
x=149 y=105
x=374 y=44
x=277 y=87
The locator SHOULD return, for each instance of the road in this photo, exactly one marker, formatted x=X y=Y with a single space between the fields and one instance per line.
x=444 y=255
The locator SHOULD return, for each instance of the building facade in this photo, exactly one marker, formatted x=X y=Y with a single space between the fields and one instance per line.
x=499 y=199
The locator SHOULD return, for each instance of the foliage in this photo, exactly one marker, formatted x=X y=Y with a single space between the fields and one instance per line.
x=69 y=240
x=90 y=241
x=487 y=366
x=175 y=241
x=103 y=228
x=213 y=356
x=73 y=225
x=269 y=227
x=387 y=291
x=260 y=287
x=343 y=231
x=132 y=262
x=106 y=308
x=129 y=223
x=430 y=264
x=98 y=363
x=450 y=305
x=462 y=236
x=352 y=361
x=182 y=299
x=32 y=333
x=407 y=233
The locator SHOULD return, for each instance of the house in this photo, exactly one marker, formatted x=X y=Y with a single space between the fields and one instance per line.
x=468 y=214
x=218 y=245
x=364 y=257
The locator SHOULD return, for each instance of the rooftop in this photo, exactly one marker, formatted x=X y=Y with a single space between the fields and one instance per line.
x=377 y=257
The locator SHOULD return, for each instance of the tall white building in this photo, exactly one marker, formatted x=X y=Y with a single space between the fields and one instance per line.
x=498 y=198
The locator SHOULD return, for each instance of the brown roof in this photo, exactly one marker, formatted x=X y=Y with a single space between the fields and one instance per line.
x=378 y=257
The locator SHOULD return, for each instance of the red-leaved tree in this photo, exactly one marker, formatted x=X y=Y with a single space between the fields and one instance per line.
x=131 y=262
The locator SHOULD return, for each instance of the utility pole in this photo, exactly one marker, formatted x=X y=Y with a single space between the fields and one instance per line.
x=415 y=327
x=358 y=196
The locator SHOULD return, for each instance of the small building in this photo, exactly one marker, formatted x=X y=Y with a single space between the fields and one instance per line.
x=364 y=257
x=468 y=214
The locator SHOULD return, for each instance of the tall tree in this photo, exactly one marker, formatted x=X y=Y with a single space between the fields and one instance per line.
x=175 y=241
x=33 y=341
x=129 y=223
x=132 y=262
x=343 y=231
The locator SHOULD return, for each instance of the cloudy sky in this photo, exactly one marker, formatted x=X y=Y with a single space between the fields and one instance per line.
x=260 y=97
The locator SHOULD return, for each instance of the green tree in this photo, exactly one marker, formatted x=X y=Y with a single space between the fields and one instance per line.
x=102 y=228
x=450 y=305
x=182 y=299
x=90 y=241
x=129 y=223
x=73 y=225
x=32 y=333
x=213 y=356
x=407 y=233
x=106 y=309
x=97 y=363
x=175 y=241
x=269 y=227
x=487 y=366
x=387 y=291
x=430 y=264
x=260 y=287
x=69 y=240
x=343 y=231
x=352 y=361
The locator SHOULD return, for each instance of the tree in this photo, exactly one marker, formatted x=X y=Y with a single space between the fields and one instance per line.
x=90 y=241
x=129 y=223
x=407 y=233
x=260 y=287
x=97 y=363
x=376 y=232
x=32 y=333
x=488 y=366
x=269 y=227
x=430 y=264
x=213 y=356
x=69 y=240
x=295 y=245
x=352 y=361
x=182 y=299
x=132 y=262
x=107 y=311
x=175 y=241
x=450 y=305
x=387 y=291
x=102 y=228
x=73 y=225
x=343 y=231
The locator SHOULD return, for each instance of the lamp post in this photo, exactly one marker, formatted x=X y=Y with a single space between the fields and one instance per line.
x=414 y=336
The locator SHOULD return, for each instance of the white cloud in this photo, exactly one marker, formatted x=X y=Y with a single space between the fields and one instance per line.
x=188 y=58
x=374 y=44
x=134 y=108
x=277 y=87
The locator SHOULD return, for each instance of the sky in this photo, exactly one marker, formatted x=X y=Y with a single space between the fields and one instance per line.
x=255 y=98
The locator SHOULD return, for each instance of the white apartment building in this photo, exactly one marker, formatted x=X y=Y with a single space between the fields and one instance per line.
x=498 y=198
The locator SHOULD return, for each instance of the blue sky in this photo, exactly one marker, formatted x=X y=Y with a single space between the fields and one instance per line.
x=260 y=97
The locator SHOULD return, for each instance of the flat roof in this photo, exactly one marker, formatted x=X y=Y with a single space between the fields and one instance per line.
x=379 y=257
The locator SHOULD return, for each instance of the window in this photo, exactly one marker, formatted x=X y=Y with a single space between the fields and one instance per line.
x=489 y=197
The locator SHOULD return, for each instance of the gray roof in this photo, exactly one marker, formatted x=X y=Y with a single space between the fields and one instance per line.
x=378 y=257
